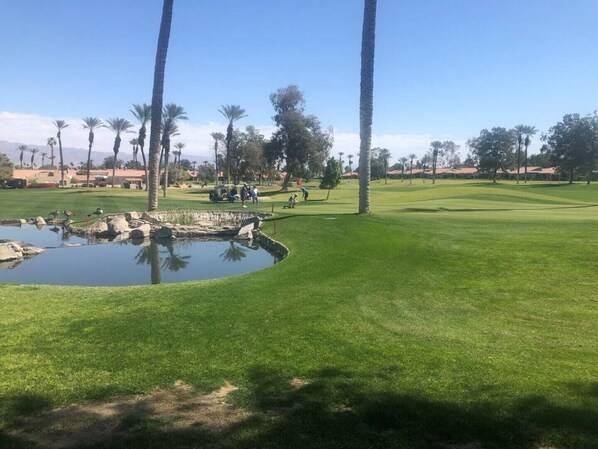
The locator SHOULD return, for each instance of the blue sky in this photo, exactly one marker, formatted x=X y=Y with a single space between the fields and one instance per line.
x=444 y=69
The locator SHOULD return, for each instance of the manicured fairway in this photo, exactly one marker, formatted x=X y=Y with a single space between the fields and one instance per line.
x=456 y=315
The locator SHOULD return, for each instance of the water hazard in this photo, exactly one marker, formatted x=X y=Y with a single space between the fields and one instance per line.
x=75 y=260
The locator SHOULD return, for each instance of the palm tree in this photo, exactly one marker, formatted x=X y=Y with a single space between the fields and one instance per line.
x=436 y=148
x=60 y=125
x=51 y=142
x=143 y=115
x=43 y=158
x=135 y=143
x=157 y=95
x=412 y=157
x=519 y=131
x=340 y=161
x=366 y=102
x=33 y=152
x=179 y=146
x=218 y=137
x=232 y=112
x=91 y=123
x=22 y=149
x=350 y=157
x=529 y=131
x=171 y=114
x=403 y=162
x=119 y=126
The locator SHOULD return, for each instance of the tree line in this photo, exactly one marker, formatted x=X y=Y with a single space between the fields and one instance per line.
x=570 y=146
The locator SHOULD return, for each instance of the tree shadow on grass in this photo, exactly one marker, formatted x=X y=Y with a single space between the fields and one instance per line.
x=333 y=408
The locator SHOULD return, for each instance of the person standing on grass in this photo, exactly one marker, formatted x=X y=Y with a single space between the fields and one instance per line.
x=305 y=193
x=244 y=192
x=254 y=195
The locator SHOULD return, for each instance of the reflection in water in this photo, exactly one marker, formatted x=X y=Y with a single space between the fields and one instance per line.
x=149 y=254
x=99 y=262
x=234 y=253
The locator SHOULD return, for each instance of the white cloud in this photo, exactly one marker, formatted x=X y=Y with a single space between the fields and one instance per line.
x=32 y=129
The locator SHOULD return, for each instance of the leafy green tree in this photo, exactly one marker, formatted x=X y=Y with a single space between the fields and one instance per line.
x=449 y=156
x=51 y=141
x=118 y=126
x=6 y=168
x=206 y=172
x=143 y=114
x=109 y=163
x=60 y=125
x=366 y=102
x=494 y=150
x=233 y=113
x=332 y=175
x=541 y=159
x=91 y=123
x=299 y=139
x=248 y=159
x=571 y=145
x=157 y=96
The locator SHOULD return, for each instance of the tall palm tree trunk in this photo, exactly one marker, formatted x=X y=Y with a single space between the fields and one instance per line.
x=366 y=102
x=157 y=100
x=61 y=159
x=229 y=138
x=88 y=163
x=525 y=162
x=144 y=163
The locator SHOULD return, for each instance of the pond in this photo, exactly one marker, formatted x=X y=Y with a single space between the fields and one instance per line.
x=74 y=260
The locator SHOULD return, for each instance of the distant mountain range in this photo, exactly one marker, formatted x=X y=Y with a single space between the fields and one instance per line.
x=74 y=155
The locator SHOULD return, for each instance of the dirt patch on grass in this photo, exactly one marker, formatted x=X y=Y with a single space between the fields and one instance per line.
x=179 y=408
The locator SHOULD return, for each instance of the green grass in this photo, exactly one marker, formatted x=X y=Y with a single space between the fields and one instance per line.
x=456 y=313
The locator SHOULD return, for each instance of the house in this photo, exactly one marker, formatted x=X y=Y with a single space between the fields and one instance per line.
x=72 y=178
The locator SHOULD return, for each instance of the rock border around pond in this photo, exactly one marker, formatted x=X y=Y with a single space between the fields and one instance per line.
x=173 y=224
x=160 y=225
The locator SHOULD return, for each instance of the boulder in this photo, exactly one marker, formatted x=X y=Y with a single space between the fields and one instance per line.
x=17 y=222
x=13 y=250
x=99 y=227
x=165 y=232
x=255 y=221
x=118 y=225
x=245 y=233
x=39 y=222
x=141 y=232
x=129 y=216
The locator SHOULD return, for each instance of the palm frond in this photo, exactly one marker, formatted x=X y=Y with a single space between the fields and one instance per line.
x=92 y=123
x=60 y=124
x=119 y=125
x=232 y=112
x=142 y=112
